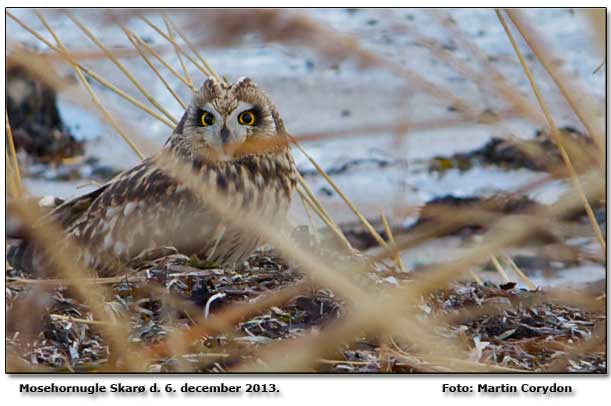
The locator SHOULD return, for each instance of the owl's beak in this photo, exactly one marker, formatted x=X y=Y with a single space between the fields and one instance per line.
x=225 y=135
x=227 y=145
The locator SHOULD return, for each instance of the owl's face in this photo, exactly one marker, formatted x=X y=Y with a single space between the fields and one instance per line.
x=222 y=117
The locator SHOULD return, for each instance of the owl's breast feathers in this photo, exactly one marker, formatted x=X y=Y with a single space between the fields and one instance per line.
x=146 y=208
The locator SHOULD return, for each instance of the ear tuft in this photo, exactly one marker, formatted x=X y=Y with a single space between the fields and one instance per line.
x=211 y=84
x=209 y=90
x=243 y=81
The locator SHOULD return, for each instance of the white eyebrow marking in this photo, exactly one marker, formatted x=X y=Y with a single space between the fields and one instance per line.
x=243 y=106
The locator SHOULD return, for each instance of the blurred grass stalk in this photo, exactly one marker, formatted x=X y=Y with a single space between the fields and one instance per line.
x=62 y=257
x=578 y=100
x=13 y=174
x=556 y=137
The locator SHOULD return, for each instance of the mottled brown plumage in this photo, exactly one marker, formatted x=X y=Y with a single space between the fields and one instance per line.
x=146 y=208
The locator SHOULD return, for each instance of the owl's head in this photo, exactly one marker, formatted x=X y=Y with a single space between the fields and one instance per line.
x=222 y=117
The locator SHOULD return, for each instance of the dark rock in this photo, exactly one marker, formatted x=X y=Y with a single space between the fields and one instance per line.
x=309 y=65
x=35 y=121
x=325 y=191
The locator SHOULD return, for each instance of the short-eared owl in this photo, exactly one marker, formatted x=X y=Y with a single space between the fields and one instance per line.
x=145 y=207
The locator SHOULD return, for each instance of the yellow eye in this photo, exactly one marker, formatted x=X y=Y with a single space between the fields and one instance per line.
x=247 y=118
x=207 y=119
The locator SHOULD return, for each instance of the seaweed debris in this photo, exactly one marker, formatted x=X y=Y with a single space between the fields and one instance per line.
x=537 y=154
x=520 y=330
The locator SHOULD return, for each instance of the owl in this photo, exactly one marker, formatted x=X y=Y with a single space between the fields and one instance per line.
x=145 y=207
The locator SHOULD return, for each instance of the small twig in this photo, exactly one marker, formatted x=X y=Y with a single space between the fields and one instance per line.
x=216 y=296
x=81 y=321
x=208 y=355
x=83 y=281
x=339 y=361
x=311 y=199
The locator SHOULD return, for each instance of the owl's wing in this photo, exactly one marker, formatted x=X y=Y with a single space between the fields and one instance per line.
x=67 y=212
x=61 y=215
x=144 y=208
x=21 y=253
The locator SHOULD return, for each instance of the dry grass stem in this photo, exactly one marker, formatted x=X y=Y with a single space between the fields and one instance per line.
x=80 y=281
x=210 y=71
x=121 y=67
x=391 y=240
x=109 y=118
x=134 y=42
x=82 y=321
x=70 y=59
x=525 y=279
x=345 y=198
x=178 y=53
x=499 y=269
x=171 y=41
x=476 y=278
x=490 y=74
x=316 y=269
x=63 y=260
x=556 y=136
x=306 y=193
x=12 y=188
x=11 y=160
x=169 y=67
x=578 y=100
